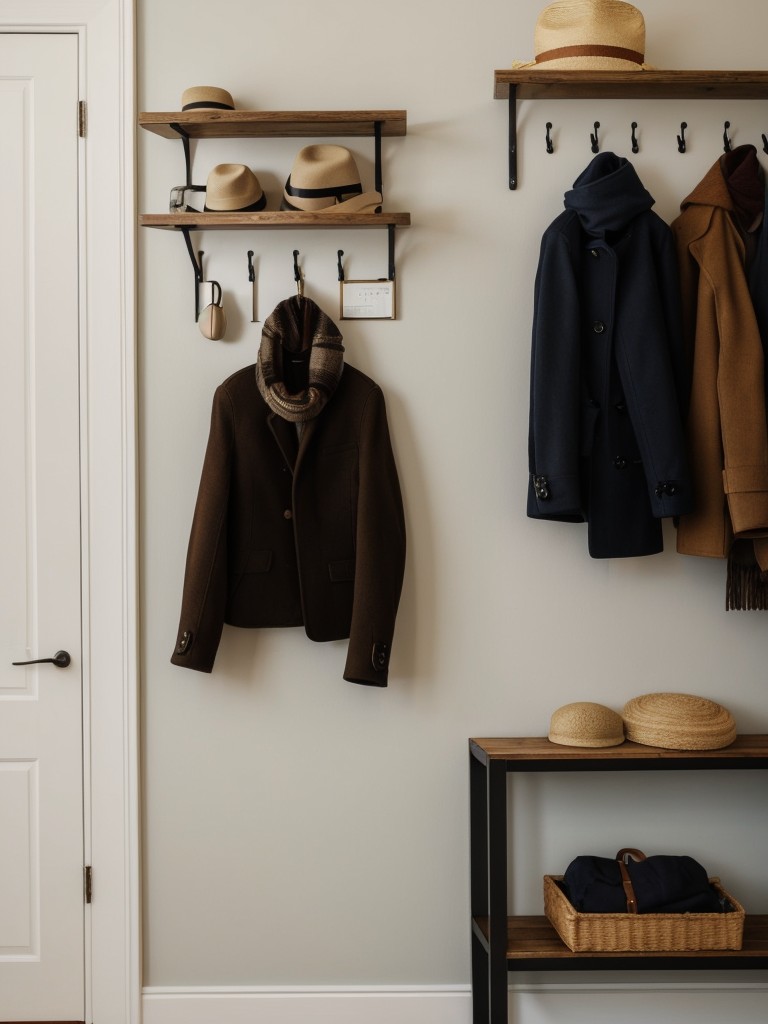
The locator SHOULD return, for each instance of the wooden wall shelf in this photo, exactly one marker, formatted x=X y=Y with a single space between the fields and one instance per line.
x=186 y=125
x=501 y=943
x=532 y=84
x=264 y=124
x=272 y=219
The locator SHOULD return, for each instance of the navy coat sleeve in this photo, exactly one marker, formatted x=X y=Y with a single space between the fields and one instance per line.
x=554 y=425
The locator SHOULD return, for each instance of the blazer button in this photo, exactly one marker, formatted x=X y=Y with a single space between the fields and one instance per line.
x=287 y=514
x=380 y=656
x=620 y=462
x=598 y=326
x=595 y=253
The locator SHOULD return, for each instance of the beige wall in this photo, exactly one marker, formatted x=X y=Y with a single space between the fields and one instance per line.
x=299 y=829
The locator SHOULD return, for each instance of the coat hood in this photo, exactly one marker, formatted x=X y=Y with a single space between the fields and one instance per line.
x=607 y=195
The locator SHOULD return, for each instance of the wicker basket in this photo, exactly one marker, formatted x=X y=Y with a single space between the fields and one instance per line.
x=642 y=932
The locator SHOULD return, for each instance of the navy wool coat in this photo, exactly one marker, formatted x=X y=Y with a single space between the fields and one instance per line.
x=606 y=440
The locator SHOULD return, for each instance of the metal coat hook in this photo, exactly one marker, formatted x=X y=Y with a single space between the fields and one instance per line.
x=339 y=254
x=297 y=275
x=765 y=144
x=550 y=147
x=252 y=279
x=726 y=140
x=681 y=137
x=593 y=139
x=635 y=146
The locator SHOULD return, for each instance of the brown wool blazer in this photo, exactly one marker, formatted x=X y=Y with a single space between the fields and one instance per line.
x=291 y=533
x=726 y=425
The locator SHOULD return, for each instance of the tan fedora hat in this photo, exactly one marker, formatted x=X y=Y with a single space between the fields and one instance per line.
x=206 y=97
x=325 y=177
x=585 y=724
x=589 y=35
x=233 y=187
x=678 y=721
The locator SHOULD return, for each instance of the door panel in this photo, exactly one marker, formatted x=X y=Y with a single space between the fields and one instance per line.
x=41 y=720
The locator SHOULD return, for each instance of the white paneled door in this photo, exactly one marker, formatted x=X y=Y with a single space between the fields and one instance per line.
x=42 y=908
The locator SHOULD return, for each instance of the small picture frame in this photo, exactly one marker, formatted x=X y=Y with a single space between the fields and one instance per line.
x=367 y=300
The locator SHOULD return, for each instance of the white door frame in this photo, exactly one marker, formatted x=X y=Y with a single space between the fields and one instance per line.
x=108 y=449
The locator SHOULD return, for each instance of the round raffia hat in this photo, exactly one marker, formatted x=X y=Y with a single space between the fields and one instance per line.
x=678 y=721
x=233 y=187
x=589 y=35
x=585 y=724
x=325 y=177
x=206 y=97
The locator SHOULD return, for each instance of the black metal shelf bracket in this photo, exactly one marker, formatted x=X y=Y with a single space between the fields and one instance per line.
x=185 y=142
x=197 y=264
x=513 y=137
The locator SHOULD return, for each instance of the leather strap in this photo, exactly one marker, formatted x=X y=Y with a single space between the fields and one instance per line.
x=626 y=881
x=590 y=51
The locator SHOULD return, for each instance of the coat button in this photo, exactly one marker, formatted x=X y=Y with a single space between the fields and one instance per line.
x=287 y=514
x=380 y=656
x=620 y=462
x=598 y=326
x=595 y=253
x=541 y=488
x=184 y=642
x=620 y=407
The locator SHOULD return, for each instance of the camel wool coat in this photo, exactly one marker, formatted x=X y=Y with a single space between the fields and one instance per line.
x=726 y=426
x=296 y=532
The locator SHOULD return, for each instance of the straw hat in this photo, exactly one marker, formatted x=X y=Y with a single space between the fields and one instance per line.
x=678 y=721
x=206 y=97
x=233 y=187
x=321 y=177
x=589 y=35
x=584 y=724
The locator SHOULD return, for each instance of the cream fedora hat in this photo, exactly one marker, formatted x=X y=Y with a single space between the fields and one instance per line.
x=589 y=35
x=233 y=188
x=325 y=177
x=206 y=97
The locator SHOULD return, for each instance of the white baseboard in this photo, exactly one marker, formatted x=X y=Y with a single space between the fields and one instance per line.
x=708 y=1002
x=309 y=1005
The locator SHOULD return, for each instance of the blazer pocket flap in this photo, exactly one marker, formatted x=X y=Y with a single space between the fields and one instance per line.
x=259 y=561
x=343 y=569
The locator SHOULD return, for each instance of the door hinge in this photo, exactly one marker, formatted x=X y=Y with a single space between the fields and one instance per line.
x=82 y=119
x=88 y=886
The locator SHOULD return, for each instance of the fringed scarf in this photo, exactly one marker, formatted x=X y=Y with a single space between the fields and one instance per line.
x=301 y=359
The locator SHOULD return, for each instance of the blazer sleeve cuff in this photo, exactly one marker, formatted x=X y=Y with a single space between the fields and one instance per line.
x=746 y=488
x=554 y=497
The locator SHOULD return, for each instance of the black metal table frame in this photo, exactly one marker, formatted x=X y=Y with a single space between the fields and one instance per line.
x=488 y=879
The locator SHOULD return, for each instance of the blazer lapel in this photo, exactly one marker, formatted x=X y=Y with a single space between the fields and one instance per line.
x=286 y=436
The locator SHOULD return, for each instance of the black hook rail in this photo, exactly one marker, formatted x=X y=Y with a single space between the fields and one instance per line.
x=681 y=137
x=595 y=146
x=726 y=140
x=550 y=147
x=635 y=145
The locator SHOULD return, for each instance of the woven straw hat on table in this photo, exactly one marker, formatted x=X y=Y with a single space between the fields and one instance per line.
x=589 y=35
x=585 y=724
x=678 y=721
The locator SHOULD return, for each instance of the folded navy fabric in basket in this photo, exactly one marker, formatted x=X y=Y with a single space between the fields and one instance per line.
x=663 y=884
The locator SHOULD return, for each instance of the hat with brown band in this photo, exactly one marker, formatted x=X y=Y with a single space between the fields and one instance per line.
x=233 y=188
x=325 y=177
x=206 y=97
x=588 y=35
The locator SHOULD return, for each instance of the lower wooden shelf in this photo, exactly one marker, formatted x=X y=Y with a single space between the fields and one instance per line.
x=533 y=938
x=273 y=219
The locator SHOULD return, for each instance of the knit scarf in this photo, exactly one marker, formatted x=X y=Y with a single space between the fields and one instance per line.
x=301 y=359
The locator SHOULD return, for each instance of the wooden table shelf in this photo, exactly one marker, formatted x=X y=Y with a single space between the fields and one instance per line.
x=272 y=219
x=501 y=943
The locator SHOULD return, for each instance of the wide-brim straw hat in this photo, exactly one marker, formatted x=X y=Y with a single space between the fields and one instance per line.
x=584 y=724
x=678 y=721
x=233 y=187
x=325 y=177
x=206 y=97
x=589 y=35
